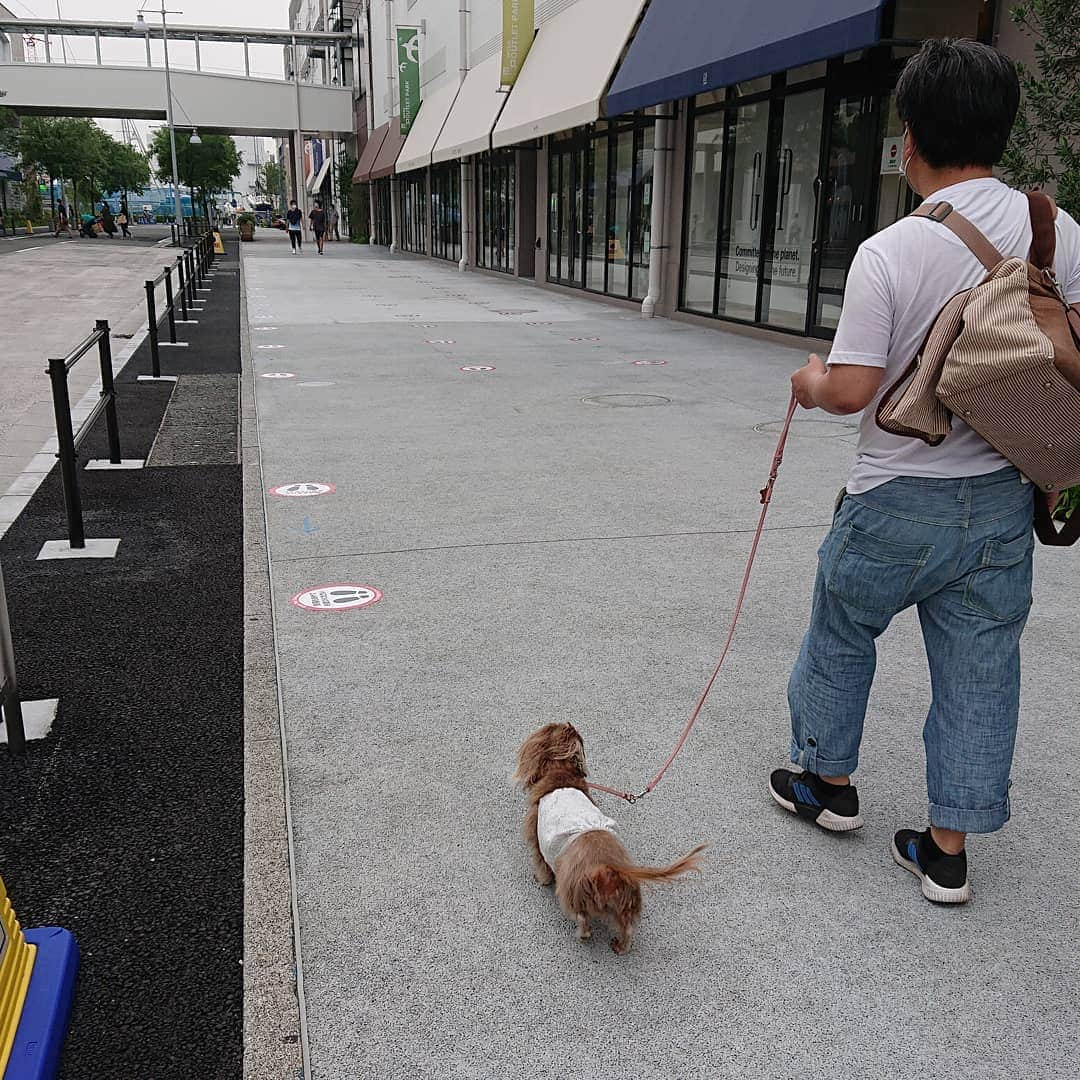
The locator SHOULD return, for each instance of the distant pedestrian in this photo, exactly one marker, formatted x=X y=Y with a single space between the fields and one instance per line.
x=334 y=218
x=62 y=223
x=123 y=218
x=317 y=217
x=294 y=223
x=108 y=223
x=87 y=227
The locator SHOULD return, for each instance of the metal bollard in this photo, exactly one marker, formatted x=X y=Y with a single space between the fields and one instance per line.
x=9 y=684
x=189 y=262
x=169 y=307
x=182 y=287
x=152 y=327
x=108 y=390
x=68 y=462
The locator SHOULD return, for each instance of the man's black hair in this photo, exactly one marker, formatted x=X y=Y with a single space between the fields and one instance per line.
x=959 y=98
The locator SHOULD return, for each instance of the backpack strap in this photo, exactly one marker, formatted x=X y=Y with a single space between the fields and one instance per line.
x=956 y=223
x=1043 y=210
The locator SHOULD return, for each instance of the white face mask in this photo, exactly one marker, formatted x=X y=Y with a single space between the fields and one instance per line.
x=902 y=167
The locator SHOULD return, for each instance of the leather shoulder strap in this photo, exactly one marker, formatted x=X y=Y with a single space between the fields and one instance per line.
x=956 y=223
x=1043 y=210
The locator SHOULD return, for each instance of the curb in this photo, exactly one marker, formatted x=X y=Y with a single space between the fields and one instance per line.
x=275 y=1030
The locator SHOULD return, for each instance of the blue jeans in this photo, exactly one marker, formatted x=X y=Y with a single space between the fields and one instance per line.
x=960 y=550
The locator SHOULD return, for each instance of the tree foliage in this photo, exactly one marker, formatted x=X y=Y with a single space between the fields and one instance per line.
x=9 y=132
x=270 y=182
x=123 y=168
x=208 y=167
x=1045 y=143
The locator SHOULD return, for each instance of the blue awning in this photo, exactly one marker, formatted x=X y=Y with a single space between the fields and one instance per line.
x=687 y=47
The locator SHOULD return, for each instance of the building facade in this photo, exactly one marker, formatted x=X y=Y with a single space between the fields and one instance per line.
x=716 y=162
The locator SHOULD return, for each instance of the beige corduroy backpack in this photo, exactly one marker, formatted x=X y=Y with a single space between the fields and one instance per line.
x=1004 y=356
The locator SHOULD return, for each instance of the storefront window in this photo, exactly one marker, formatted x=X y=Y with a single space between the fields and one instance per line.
x=381 y=195
x=599 y=207
x=495 y=201
x=412 y=205
x=703 y=213
x=740 y=244
x=790 y=251
x=446 y=211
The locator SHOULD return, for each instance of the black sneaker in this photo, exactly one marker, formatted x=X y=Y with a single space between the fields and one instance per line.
x=806 y=794
x=944 y=877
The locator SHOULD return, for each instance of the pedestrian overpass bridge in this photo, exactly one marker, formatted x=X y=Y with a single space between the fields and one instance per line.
x=239 y=104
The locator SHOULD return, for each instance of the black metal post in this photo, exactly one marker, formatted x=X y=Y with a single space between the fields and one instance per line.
x=66 y=452
x=197 y=259
x=9 y=684
x=190 y=262
x=182 y=286
x=169 y=308
x=151 y=325
x=108 y=390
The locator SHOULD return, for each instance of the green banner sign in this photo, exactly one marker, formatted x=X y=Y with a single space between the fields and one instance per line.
x=517 y=37
x=408 y=55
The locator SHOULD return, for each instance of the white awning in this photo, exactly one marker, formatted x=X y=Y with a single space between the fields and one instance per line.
x=468 y=127
x=416 y=153
x=317 y=179
x=569 y=66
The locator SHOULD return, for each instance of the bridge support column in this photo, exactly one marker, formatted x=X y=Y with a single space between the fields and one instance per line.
x=297 y=140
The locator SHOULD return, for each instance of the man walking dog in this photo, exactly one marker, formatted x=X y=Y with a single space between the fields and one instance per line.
x=947 y=528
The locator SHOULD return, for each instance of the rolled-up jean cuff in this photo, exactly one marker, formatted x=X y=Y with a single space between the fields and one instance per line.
x=976 y=821
x=807 y=757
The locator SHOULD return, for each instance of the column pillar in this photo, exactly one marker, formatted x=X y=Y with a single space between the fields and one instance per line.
x=466 y=214
x=658 y=210
x=300 y=192
x=395 y=225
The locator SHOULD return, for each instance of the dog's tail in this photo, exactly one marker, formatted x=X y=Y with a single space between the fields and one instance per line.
x=645 y=875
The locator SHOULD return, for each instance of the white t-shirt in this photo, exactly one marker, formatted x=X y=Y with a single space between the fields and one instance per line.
x=900 y=279
x=563 y=816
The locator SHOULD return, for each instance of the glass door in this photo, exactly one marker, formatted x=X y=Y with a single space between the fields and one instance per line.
x=846 y=214
x=789 y=245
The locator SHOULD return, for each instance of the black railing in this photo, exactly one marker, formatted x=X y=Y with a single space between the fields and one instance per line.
x=153 y=319
x=69 y=440
x=191 y=267
x=9 y=686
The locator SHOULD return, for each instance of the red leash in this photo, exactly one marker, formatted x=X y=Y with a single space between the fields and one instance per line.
x=766 y=498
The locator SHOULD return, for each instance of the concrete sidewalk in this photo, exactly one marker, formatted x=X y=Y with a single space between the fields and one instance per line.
x=561 y=538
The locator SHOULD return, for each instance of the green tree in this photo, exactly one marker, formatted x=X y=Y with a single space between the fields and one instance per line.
x=9 y=132
x=123 y=168
x=208 y=167
x=1045 y=143
x=270 y=181
x=63 y=146
x=346 y=166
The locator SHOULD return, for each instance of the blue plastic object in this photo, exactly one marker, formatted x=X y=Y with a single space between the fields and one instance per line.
x=39 y=1037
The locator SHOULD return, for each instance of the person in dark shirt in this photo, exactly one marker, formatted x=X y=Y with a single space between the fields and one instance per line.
x=294 y=221
x=317 y=218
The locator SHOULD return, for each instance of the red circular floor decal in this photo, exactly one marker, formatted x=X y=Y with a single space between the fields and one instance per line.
x=476 y=367
x=302 y=490
x=277 y=375
x=337 y=597
x=647 y=363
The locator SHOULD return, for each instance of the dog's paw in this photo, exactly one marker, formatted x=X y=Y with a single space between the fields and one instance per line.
x=584 y=932
x=620 y=946
x=543 y=875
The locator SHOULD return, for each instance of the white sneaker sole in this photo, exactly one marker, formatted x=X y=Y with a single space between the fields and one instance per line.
x=826 y=819
x=930 y=888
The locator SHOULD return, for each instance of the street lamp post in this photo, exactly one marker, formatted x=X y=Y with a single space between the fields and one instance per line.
x=140 y=24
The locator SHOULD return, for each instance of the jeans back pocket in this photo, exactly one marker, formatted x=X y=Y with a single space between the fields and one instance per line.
x=874 y=574
x=1000 y=586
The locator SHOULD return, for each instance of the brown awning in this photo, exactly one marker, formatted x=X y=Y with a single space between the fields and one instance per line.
x=369 y=154
x=388 y=152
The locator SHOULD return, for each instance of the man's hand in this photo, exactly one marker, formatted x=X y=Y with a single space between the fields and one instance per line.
x=805 y=381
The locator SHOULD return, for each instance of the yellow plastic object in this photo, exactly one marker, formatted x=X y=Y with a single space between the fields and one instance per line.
x=219 y=247
x=16 y=963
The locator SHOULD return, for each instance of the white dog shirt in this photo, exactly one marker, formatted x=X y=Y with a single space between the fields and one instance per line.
x=563 y=816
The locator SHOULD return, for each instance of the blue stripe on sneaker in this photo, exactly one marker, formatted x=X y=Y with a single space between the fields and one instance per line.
x=913 y=852
x=805 y=795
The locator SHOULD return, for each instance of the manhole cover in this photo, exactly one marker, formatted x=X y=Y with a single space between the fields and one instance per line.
x=809 y=429
x=627 y=401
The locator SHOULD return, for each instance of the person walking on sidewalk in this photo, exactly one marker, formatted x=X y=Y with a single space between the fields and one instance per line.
x=108 y=223
x=294 y=223
x=945 y=528
x=317 y=217
x=122 y=220
x=62 y=223
x=334 y=218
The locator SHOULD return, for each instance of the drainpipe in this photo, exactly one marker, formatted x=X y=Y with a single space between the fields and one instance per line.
x=465 y=209
x=369 y=88
x=658 y=212
x=391 y=57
